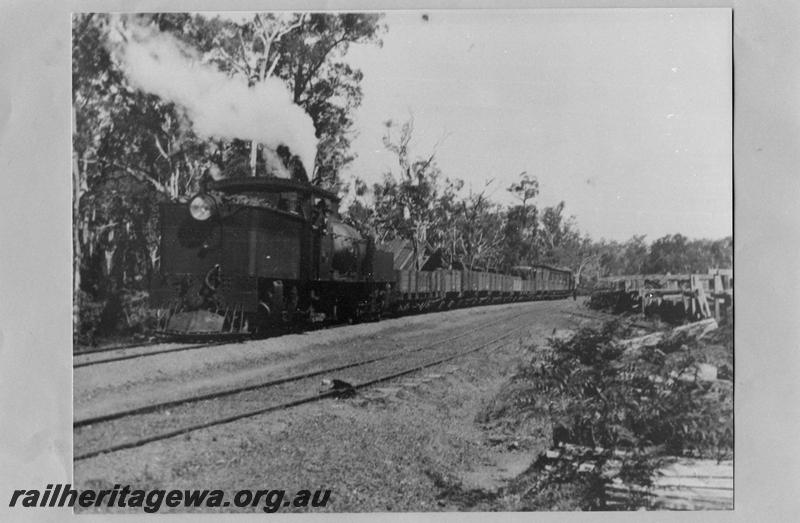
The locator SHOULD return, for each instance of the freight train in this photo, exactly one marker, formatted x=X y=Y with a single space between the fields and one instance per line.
x=247 y=254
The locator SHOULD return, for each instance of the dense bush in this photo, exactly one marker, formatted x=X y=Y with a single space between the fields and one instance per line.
x=88 y=316
x=600 y=396
x=615 y=301
x=648 y=404
x=122 y=314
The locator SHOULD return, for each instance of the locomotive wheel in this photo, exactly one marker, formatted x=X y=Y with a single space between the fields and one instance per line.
x=261 y=319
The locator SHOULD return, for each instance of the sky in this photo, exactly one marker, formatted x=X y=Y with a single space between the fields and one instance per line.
x=626 y=115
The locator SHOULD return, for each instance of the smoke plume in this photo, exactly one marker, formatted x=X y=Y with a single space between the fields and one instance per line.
x=219 y=106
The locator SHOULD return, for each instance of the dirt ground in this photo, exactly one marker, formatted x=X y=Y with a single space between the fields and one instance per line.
x=130 y=383
x=414 y=444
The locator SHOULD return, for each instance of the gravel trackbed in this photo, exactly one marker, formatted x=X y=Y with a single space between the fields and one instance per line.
x=410 y=444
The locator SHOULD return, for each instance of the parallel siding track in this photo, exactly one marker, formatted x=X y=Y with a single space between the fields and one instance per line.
x=90 y=422
x=79 y=362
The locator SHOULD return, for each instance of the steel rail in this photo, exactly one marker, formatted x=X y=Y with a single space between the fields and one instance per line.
x=283 y=406
x=271 y=383
x=198 y=345
x=157 y=352
x=117 y=347
x=153 y=353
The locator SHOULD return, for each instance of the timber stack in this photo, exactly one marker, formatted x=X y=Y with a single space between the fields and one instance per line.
x=673 y=297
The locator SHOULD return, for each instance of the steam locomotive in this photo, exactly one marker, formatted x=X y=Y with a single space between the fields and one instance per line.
x=246 y=254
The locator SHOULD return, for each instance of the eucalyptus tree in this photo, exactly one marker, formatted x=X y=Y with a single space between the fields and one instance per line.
x=521 y=223
x=132 y=149
x=307 y=51
x=414 y=201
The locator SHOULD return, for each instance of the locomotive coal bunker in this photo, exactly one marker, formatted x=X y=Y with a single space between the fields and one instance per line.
x=253 y=252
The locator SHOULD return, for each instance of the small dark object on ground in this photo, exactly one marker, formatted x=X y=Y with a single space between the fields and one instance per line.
x=340 y=388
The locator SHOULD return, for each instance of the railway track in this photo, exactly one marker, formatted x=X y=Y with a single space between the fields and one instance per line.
x=213 y=341
x=81 y=422
x=87 y=360
x=122 y=356
x=99 y=434
x=125 y=346
x=84 y=358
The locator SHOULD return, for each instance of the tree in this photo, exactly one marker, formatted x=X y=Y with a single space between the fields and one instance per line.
x=674 y=253
x=415 y=204
x=635 y=255
x=132 y=149
x=250 y=50
x=327 y=87
x=481 y=226
x=721 y=253
x=526 y=189
x=118 y=129
x=558 y=237
x=668 y=254
x=360 y=213
x=305 y=50
x=521 y=223
x=115 y=130
x=589 y=259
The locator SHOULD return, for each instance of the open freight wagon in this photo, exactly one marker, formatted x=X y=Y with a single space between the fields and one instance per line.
x=451 y=287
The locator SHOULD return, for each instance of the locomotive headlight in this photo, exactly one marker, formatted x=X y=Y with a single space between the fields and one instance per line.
x=202 y=207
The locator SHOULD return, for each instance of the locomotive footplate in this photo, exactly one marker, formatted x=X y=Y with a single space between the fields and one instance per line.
x=200 y=322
